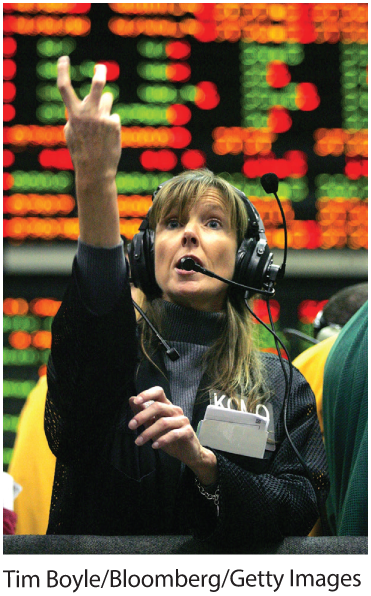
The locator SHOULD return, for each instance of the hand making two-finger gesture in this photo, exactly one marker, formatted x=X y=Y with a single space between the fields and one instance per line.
x=92 y=133
x=93 y=137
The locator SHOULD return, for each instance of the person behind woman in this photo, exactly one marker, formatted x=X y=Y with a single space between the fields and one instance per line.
x=121 y=414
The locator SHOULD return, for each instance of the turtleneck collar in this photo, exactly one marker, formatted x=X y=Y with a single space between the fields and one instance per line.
x=189 y=325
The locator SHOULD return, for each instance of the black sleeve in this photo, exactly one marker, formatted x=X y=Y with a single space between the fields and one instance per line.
x=101 y=268
x=90 y=371
x=266 y=500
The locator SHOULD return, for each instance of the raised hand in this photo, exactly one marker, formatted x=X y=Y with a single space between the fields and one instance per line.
x=94 y=142
x=171 y=431
x=92 y=132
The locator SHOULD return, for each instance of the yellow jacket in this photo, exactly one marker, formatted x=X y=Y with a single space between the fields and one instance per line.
x=311 y=364
x=32 y=465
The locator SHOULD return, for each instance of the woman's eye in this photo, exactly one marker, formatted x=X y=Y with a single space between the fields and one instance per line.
x=172 y=224
x=214 y=223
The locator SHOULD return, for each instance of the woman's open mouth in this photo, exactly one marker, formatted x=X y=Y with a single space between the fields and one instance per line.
x=179 y=266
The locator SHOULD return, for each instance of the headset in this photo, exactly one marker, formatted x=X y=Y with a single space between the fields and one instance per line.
x=254 y=261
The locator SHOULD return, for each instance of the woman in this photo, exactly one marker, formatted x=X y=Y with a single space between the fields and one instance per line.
x=121 y=415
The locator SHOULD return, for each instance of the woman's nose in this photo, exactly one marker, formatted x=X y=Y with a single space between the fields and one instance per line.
x=190 y=236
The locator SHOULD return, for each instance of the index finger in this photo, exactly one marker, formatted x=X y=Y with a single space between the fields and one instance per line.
x=69 y=97
x=154 y=393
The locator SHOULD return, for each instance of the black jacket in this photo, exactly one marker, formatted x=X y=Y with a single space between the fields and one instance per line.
x=106 y=485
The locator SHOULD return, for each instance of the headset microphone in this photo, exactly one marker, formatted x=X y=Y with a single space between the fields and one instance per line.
x=270 y=184
x=188 y=264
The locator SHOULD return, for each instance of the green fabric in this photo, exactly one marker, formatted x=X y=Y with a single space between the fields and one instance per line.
x=346 y=427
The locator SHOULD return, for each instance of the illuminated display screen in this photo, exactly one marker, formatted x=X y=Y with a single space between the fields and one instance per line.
x=240 y=88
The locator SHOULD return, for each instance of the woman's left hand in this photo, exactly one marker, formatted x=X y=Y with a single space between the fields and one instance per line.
x=171 y=431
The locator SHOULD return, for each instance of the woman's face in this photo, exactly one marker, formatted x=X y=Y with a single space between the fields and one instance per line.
x=206 y=236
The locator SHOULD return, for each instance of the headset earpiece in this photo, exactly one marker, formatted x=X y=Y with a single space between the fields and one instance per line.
x=253 y=259
x=142 y=260
x=252 y=262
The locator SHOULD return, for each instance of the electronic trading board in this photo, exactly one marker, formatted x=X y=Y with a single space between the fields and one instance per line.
x=240 y=88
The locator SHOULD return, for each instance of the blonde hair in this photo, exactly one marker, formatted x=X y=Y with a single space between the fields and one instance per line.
x=232 y=362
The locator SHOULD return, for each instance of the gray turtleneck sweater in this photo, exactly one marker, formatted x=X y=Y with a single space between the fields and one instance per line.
x=190 y=332
x=103 y=273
